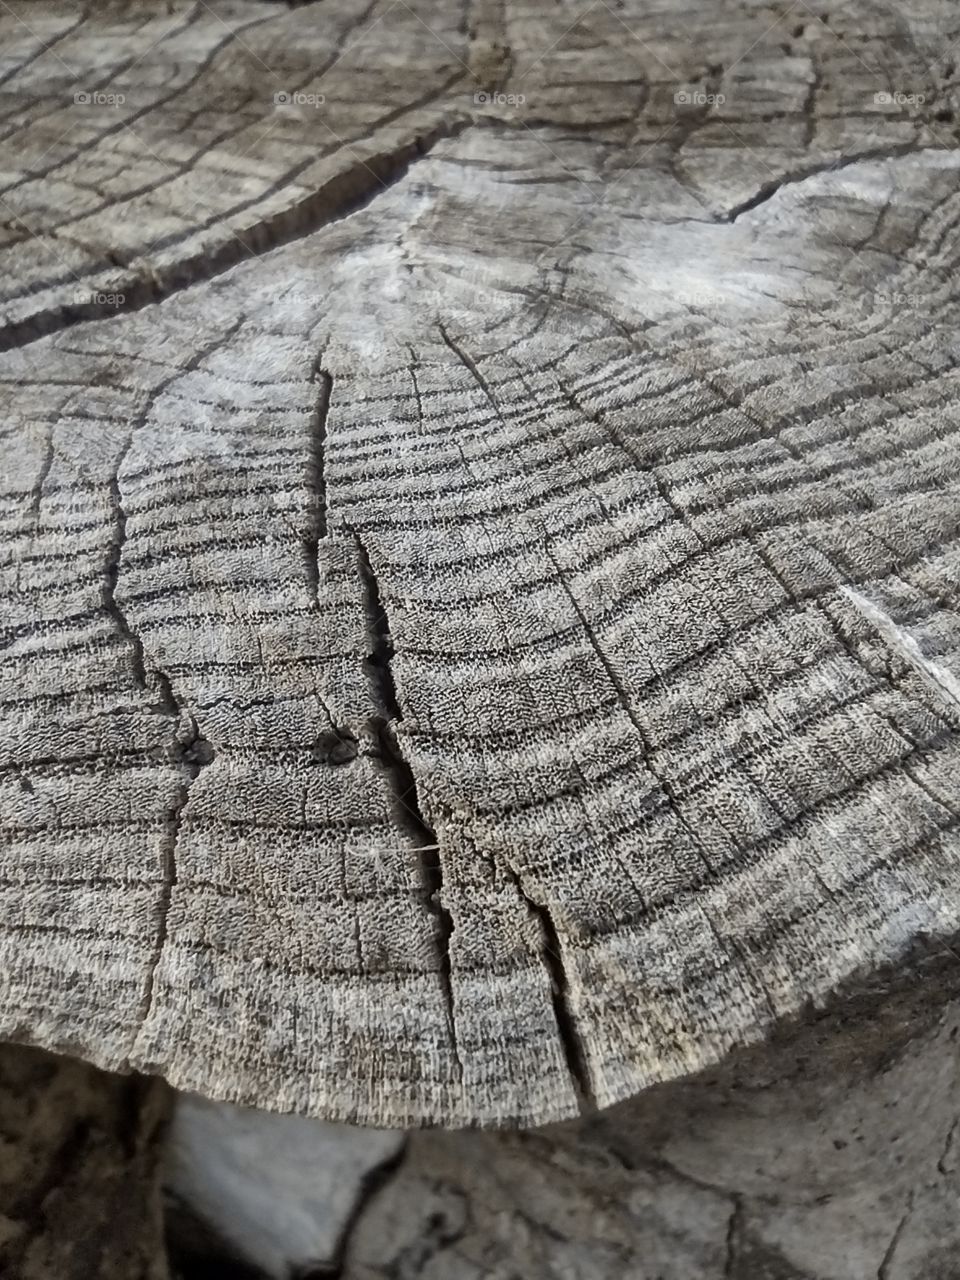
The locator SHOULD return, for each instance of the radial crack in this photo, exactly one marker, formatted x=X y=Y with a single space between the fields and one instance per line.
x=194 y=754
x=403 y=784
x=45 y=465
x=471 y=366
x=169 y=704
x=552 y=955
x=903 y=643
x=316 y=470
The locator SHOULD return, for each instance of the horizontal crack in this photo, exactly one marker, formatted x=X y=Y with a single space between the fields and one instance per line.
x=767 y=190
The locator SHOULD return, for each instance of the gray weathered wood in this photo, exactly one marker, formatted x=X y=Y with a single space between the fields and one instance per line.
x=829 y=1153
x=479 y=628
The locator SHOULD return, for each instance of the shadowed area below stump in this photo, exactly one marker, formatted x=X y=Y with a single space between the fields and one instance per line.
x=79 y=1185
x=828 y=1153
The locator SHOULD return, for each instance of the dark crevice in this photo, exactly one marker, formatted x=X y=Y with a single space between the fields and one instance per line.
x=733 y=1239
x=344 y=194
x=168 y=703
x=406 y=801
x=570 y=1041
x=316 y=471
x=373 y=1181
x=769 y=189
x=471 y=366
x=45 y=465
x=196 y=1250
x=942 y=1166
x=192 y=755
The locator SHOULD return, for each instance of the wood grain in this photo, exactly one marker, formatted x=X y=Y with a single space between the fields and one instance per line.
x=480 y=552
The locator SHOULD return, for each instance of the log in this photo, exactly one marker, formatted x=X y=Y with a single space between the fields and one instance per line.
x=79 y=1171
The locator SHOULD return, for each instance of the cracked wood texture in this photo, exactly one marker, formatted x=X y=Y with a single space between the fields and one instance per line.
x=481 y=529
x=829 y=1152
x=79 y=1170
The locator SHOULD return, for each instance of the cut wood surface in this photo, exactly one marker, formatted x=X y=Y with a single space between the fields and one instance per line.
x=79 y=1171
x=828 y=1153
x=481 y=529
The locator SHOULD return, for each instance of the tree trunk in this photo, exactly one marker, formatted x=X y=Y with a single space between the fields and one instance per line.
x=79 y=1181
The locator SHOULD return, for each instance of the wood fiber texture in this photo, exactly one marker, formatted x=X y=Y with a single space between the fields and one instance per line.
x=827 y=1152
x=481 y=533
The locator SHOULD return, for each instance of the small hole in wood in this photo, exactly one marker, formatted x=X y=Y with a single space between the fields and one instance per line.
x=334 y=746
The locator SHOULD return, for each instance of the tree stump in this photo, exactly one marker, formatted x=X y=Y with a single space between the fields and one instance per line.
x=479 y=626
x=827 y=1153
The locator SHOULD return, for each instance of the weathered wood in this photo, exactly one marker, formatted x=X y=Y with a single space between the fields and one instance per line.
x=829 y=1153
x=480 y=575
x=79 y=1182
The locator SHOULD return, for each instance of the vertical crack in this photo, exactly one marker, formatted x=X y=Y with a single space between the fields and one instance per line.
x=733 y=1238
x=46 y=463
x=942 y=1166
x=316 y=473
x=192 y=755
x=552 y=955
x=112 y=575
x=403 y=784
x=371 y=1184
